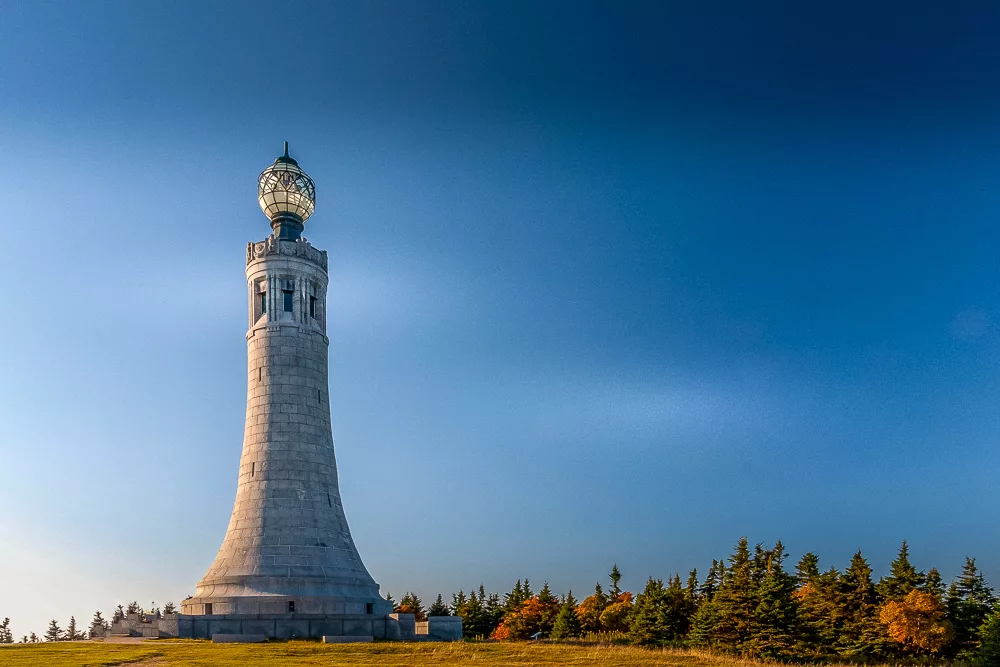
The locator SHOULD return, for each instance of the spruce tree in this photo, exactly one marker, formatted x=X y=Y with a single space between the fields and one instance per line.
x=735 y=602
x=474 y=620
x=439 y=608
x=54 y=633
x=458 y=601
x=567 y=623
x=807 y=570
x=703 y=626
x=615 y=576
x=71 y=632
x=133 y=608
x=5 y=634
x=169 y=608
x=33 y=639
x=933 y=584
x=512 y=601
x=549 y=608
x=714 y=579
x=118 y=615
x=819 y=612
x=862 y=635
x=989 y=647
x=970 y=602
x=776 y=614
x=649 y=623
x=494 y=613
x=691 y=589
x=903 y=577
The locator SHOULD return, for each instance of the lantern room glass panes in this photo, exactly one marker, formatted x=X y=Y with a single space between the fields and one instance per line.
x=285 y=188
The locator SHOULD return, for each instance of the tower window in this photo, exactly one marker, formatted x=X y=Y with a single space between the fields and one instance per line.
x=291 y=606
x=312 y=306
x=288 y=300
x=262 y=297
x=208 y=608
x=260 y=373
x=369 y=607
x=253 y=468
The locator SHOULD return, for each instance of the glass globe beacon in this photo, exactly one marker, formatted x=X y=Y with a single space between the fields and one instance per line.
x=286 y=193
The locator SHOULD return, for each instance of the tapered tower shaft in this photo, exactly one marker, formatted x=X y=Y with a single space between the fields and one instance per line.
x=288 y=548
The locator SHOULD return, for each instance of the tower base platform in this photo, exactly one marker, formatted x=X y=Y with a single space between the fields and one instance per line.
x=287 y=626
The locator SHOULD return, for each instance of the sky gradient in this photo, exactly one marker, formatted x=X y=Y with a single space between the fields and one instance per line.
x=610 y=282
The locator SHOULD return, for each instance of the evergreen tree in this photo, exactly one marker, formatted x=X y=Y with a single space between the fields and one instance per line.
x=5 y=635
x=389 y=599
x=133 y=608
x=169 y=608
x=776 y=613
x=567 y=623
x=33 y=639
x=807 y=570
x=649 y=622
x=494 y=613
x=24 y=639
x=862 y=635
x=411 y=604
x=118 y=615
x=615 y=576
x=691 y=589
x=903 y=577
x=71 y=632
x=970 y=601
x=99 y=621
x=989 y=647
x=704 y=624
x=474 y=620
x=713 y=580
x=458 y=601
x=512 y=601
x=820 y=616
x=439 y=608
x=735 y=602
x=54 y=633
x=933 y=584
x=550 y=607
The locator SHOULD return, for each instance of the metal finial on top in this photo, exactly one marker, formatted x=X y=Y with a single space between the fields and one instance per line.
x=286 y=149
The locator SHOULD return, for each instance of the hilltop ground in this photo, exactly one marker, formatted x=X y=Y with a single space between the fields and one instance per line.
x=387 y=654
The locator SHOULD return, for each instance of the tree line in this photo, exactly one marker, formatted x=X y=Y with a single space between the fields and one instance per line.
x=753 y=606
x=72 y=633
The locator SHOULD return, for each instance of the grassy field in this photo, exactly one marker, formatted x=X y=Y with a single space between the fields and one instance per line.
x=389 y=654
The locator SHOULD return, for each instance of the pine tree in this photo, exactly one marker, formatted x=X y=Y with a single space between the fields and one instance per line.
x=5 y=635
x=54 y=633
x=903 y=577
x=735 y=602
x=589 y=611
x=970 y=602
x=862 y=635
x=494 y=613
x=616 y=577
x=389 y=599
x=439 y=608
x=567 y=623
x=118 y=615
x=24 y=639
x=133 y=608
x=33 y=639
x=411 y=604
x=71 y=632
x=169 y=608
x=776 y=613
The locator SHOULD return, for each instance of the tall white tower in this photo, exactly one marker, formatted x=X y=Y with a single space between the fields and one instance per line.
x=288 y=553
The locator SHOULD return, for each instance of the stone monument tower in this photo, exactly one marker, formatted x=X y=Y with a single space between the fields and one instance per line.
x=288 y=552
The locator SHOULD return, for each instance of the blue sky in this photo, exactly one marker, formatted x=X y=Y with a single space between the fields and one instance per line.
x=610 y=282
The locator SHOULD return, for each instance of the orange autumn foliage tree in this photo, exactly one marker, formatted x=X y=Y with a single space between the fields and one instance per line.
x=535 y=614
x=615 y=617
x=917 y=622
